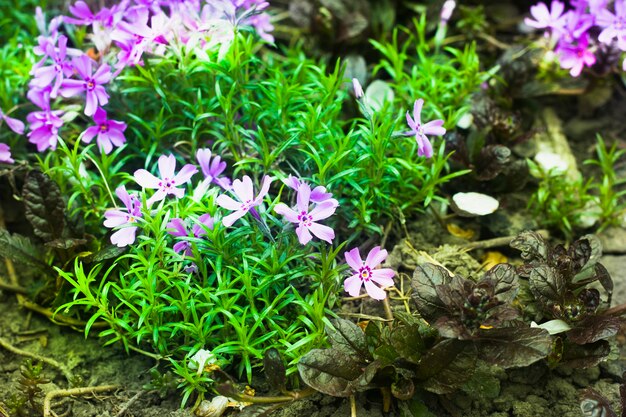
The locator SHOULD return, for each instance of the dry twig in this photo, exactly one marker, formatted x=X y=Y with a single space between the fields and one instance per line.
x=47 y=408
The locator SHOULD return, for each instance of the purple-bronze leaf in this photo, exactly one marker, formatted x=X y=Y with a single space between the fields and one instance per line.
x=593 y=329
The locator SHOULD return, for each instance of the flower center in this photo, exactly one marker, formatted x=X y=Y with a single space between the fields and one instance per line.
x=245 y=206
x=90 y=85
x=305 y=219
x=365 y=273
x=104 y=128
x=167 y=183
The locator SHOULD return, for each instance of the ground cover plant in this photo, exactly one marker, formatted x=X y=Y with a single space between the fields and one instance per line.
x=200 y=192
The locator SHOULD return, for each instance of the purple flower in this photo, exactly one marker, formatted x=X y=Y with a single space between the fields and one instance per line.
x=137 y=37
x=110 y=132
x=318 y=194
x=15 y=125
x=59 y=69
x=5 y=154
x=212 y=168
x=169 y=180
x=307 y=221
x=91 y=84
x=547 y=19
x=367 y=274
x=177 y=228
x=44 y=125
x=576 y=56
x=434 y=127
x=125 y=220
x=244 y=191
x=614 y=25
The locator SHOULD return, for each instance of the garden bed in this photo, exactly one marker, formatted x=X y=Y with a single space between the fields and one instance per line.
x=326 y=208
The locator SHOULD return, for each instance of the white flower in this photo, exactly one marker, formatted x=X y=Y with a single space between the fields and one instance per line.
x=201 y=359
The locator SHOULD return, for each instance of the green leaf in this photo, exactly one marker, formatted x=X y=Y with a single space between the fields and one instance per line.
x=514 y=346
x=425 y=280
x=45 y=208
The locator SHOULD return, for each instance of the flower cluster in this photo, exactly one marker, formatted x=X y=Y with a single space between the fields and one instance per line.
x=312 y=206
x=122 y=35
x=579 y=35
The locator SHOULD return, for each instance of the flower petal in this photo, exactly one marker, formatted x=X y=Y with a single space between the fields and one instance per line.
x=124 y=236
x=353 y=258
x=233 y=217
x=167 y=166
x=177 y=228
x=146 y=179
x=374 y=291
x=375 y=257
x=115 y=218
x=89 y=134
x=289 y=214
x=324 y=210
x=243 y=189
x=227 y=202
x=417 y=111
x=322 y=232
x=352 y=285
x=434 y=127
x=185 y=174
x=383 y=276
x=304 y=236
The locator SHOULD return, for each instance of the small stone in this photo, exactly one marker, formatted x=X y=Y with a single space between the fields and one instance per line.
x=613 y=240
x=473 y=204
x=213 y=408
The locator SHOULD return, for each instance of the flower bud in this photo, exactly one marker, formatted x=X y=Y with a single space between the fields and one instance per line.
x=358 y=90
x=446 y=11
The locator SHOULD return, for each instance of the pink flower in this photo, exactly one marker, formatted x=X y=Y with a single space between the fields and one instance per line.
x=110 y=132
x=57 y=71
x=5 y=154
x=544 y=18
x=126 y=220
x=367 y=274
x=245 y=193
x=576 y=56
x=15 y=125
x=614 y=25
x=318 y=194
x=91 y=84
x=169 y=180
x=177 y=228
x=434 y=127
x=307 y=221
x=44 y=125
x=212 y=167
